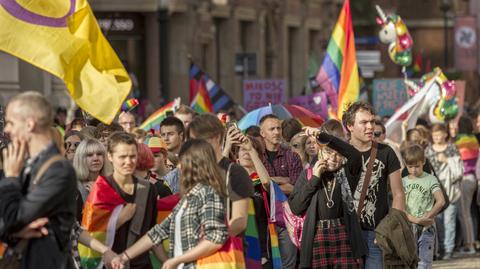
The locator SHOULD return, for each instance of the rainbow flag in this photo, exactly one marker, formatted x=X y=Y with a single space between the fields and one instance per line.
x=100 y=215
x=165 y=206
x=253 y=253
x=201 y=102
x=276 y=196
x=130 y=104
x=3 y=247
x=338 y=75
x=154 y=120
x=220 y=99
x=468 y=147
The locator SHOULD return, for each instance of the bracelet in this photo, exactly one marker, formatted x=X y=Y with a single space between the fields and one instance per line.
x=126 y=255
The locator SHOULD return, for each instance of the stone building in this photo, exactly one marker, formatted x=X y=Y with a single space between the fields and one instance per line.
x=157 y=39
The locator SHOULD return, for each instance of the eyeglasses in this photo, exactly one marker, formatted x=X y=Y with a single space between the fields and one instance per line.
x=67 y=145
x=377 y=134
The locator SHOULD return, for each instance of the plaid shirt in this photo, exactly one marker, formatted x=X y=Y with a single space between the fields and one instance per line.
x=203 y=217
x=286 y=164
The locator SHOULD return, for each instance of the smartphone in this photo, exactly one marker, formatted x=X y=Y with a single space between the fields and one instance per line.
x=231 y=123
x=320 y=154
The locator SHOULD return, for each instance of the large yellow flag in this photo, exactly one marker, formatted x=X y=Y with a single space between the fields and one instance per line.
x=63 y=38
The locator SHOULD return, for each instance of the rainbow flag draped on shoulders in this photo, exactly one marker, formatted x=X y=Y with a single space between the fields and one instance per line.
x=338 y=75
x=154 y=120
x=100 y=216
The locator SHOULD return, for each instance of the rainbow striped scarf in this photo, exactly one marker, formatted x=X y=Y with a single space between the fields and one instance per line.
x=275 y=197
x=100 y=215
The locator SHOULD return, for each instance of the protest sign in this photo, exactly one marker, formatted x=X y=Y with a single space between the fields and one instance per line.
x=258 y=93
x=316 y=102
x=388 y=95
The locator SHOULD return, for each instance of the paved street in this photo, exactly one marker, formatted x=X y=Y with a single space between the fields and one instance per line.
x=459 y=263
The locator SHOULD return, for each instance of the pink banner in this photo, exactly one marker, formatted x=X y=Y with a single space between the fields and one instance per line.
x=259 y=93
x=465 y=43
x=316 y=102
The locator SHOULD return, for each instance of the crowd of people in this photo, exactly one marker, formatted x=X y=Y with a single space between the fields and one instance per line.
x=338 y=196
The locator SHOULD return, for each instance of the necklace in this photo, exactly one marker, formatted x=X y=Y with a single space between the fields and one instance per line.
x=330 y=202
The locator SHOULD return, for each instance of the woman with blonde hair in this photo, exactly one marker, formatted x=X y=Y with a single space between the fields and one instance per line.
x=89 y=162
x=297 y=144
x=201 y=208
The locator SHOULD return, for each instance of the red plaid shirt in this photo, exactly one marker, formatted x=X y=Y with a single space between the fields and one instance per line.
x=286 y=164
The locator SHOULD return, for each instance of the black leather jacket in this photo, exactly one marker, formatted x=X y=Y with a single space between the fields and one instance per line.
x=53 y=197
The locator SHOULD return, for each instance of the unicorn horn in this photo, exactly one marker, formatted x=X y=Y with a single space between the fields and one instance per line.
x=381 y=13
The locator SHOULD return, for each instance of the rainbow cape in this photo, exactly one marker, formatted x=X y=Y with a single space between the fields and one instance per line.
x=154 y=120
x=338 y=75
x=100 y=215
x=276 y=196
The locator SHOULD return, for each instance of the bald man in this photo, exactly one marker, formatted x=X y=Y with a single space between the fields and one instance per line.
x=127 y=121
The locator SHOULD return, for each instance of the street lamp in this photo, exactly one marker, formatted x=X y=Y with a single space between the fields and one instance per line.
x=445 y=6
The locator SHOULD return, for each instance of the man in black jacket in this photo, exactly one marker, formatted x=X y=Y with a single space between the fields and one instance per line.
x=28 y=201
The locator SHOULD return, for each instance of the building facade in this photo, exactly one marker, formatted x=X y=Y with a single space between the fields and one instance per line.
x=157 y=41
x=232 y=40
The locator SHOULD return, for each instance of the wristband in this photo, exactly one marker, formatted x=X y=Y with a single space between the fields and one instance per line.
x=126 y=255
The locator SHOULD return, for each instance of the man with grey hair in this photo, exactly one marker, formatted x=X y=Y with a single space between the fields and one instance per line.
x=38 y=196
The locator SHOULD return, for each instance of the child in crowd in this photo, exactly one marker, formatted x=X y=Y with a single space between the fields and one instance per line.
x=424 y=200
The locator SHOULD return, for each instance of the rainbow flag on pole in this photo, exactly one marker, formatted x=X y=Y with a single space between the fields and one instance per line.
x=220 y=99
x=338 y=75
x=201 y=102
x=154 y=120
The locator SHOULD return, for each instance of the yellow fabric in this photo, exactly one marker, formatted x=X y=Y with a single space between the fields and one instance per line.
x=77 y=52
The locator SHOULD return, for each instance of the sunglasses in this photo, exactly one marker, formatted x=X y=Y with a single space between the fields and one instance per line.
x=377 y=134
x=67 y=145
x=296 y=146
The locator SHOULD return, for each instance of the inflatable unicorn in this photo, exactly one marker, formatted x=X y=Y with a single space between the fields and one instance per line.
x=440 y=102
x=394 y=32
x=433 y=96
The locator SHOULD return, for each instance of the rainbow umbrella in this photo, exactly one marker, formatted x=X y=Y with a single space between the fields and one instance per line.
x=284 y=112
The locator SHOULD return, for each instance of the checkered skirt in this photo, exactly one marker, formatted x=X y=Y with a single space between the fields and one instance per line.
x=331 y=249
